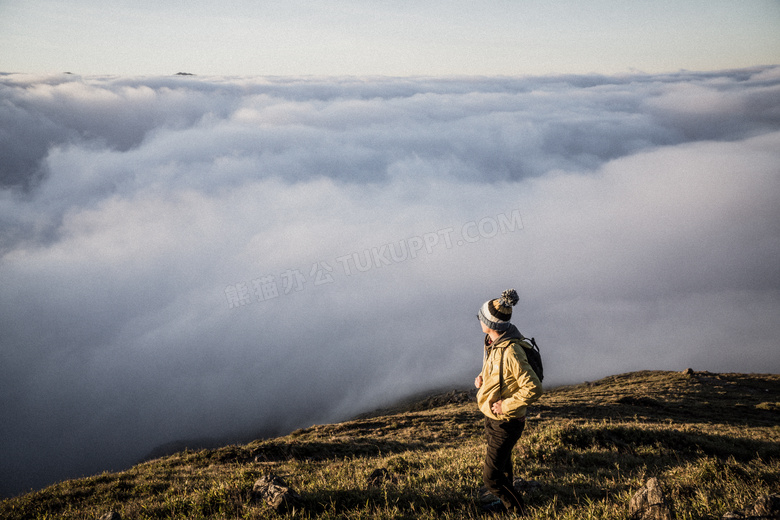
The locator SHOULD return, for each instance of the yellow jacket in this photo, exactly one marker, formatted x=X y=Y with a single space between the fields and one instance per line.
x=520 y=387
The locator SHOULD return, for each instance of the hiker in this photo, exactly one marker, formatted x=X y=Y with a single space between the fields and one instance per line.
x=507 y=385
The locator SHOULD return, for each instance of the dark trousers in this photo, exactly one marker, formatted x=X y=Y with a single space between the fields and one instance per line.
x=501 y=437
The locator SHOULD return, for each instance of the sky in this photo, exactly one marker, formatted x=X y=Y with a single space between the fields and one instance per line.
x=291 y=238
x=385 y=37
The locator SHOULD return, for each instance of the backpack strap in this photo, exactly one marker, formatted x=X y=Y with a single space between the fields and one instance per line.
x=501 y=373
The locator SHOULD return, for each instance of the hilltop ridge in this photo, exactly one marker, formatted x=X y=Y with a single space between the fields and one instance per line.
x=712 y=440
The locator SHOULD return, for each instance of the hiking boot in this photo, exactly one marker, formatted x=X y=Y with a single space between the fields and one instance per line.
x=495 y=507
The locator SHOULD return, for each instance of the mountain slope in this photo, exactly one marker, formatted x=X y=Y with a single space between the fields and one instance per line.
x=713 y=441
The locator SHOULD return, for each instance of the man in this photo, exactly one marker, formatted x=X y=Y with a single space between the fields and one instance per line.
x=507 y=385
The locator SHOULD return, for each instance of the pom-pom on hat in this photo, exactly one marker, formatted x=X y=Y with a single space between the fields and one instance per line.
x=497 y=313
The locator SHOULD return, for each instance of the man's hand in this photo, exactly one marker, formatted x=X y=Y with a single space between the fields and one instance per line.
x=478 y=382
x=497 y=408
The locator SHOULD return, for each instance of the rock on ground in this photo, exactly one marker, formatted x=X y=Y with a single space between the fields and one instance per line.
x=273 y=490
x=649 y=503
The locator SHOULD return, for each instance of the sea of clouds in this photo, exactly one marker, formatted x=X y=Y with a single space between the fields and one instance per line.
x=188 y=257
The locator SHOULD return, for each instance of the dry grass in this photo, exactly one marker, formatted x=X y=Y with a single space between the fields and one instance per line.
x=712 y=440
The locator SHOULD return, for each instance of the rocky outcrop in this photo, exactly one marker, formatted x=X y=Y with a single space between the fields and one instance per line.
x=272 y=490
x=649 y=503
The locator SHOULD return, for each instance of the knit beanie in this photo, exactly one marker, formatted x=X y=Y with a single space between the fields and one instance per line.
x=495 y=314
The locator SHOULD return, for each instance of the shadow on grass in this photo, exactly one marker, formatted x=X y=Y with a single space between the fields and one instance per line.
x=657 y=410
x=392 y=501
x=301 y=450
x=576 y=441
x=702 y=397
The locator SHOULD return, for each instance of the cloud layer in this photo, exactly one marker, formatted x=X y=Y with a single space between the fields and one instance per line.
x=189 y=257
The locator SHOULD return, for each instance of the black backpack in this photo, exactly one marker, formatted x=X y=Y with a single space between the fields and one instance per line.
x=534 y=356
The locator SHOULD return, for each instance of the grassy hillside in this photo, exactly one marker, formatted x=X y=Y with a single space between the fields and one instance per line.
x=713 y=441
